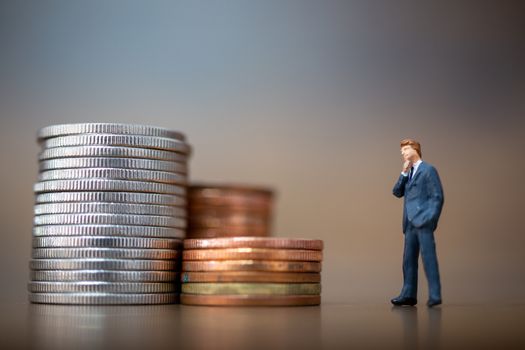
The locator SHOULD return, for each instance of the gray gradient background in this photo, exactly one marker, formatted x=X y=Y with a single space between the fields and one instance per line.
x=309 y=97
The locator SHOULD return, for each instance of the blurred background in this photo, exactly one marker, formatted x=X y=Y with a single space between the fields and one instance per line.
x=310 y=98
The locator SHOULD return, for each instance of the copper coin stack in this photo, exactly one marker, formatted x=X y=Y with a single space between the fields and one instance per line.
x=229 y=211
x=110 y=214
x=251 y=271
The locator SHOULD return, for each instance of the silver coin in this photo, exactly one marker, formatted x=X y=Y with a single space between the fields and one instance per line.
x=107 y=253
x=152 y=142
x=109 y=208
x=108 y=185
x=102 y=298
x=102 y=264
x=105 y=162
x=109 y=219
x=113 y=173
x=107 y=276
x=108 y=230
x=111 y=151
x=106 y=242
x=107 y=128
x=112 y=197
x=101 y=287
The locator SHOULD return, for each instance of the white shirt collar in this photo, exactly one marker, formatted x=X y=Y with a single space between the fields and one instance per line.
x=416 y=165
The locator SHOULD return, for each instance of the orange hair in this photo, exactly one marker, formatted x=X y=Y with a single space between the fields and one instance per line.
x=412 y=143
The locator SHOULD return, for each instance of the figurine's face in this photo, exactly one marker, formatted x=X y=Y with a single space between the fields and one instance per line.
x=408 y=153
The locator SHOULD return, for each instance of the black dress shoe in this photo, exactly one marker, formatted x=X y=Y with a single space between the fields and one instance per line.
x=400 y=301
x=433 y=302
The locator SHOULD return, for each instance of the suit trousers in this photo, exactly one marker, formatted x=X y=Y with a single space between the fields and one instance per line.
x=416 y=240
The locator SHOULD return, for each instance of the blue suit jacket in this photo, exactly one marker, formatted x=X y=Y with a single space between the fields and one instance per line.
x=423 y=197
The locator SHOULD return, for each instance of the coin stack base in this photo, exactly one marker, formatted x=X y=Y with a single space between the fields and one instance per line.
x=110 y=215
x=251 y=271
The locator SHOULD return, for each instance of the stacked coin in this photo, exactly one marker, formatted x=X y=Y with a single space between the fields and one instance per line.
x=229 y=211
x=110 y=214
x=256 y=271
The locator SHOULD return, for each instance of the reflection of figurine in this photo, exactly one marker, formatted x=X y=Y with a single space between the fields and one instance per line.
x=420 y=185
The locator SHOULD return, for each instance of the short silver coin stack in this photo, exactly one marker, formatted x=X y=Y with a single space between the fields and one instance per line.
x=110 y=214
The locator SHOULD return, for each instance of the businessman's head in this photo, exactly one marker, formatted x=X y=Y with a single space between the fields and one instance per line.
x=411 y=150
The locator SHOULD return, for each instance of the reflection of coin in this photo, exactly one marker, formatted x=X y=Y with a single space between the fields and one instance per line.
x=252 y=288
x=161 y=143
x=112 y=197
x=105 y=253
x=254 y=242
x=251 y=265
x=113 y=173
x=107 y=185
x=109 y=208
x=230 y=231
x=108 y=276
x=106 y=162
x=108 y=230
x=102 y=298
x=251 y=276
x=250 y=300
x=252 y=254
x=102 y=264
x=100 y=287
x=109 y=219
x=111 y=151
x=106 y=242
x=106 y=128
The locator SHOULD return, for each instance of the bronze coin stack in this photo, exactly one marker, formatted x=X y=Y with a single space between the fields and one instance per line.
x=228 y=211
x=251 y=271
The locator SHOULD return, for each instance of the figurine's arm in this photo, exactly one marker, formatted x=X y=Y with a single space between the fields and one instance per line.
x=435 y=191
x=399 y=187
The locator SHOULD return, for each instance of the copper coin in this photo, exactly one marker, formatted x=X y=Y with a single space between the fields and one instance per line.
x=232 y=219
x=254 y=242
x=230 y=196
x=231 y=231
x=241 y=202
x=232 y=227
x=251 y=276
x=252 y=265
x=253 y=254
x=199 y=209
x=213 y=190
x=250 y=300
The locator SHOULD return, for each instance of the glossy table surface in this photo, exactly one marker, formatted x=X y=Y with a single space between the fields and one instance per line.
x=329 y=326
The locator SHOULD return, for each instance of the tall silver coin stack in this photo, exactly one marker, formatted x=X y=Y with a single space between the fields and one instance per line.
x=110 y=214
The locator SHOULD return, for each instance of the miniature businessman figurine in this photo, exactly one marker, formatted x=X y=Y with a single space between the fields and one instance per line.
x=420 y=185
